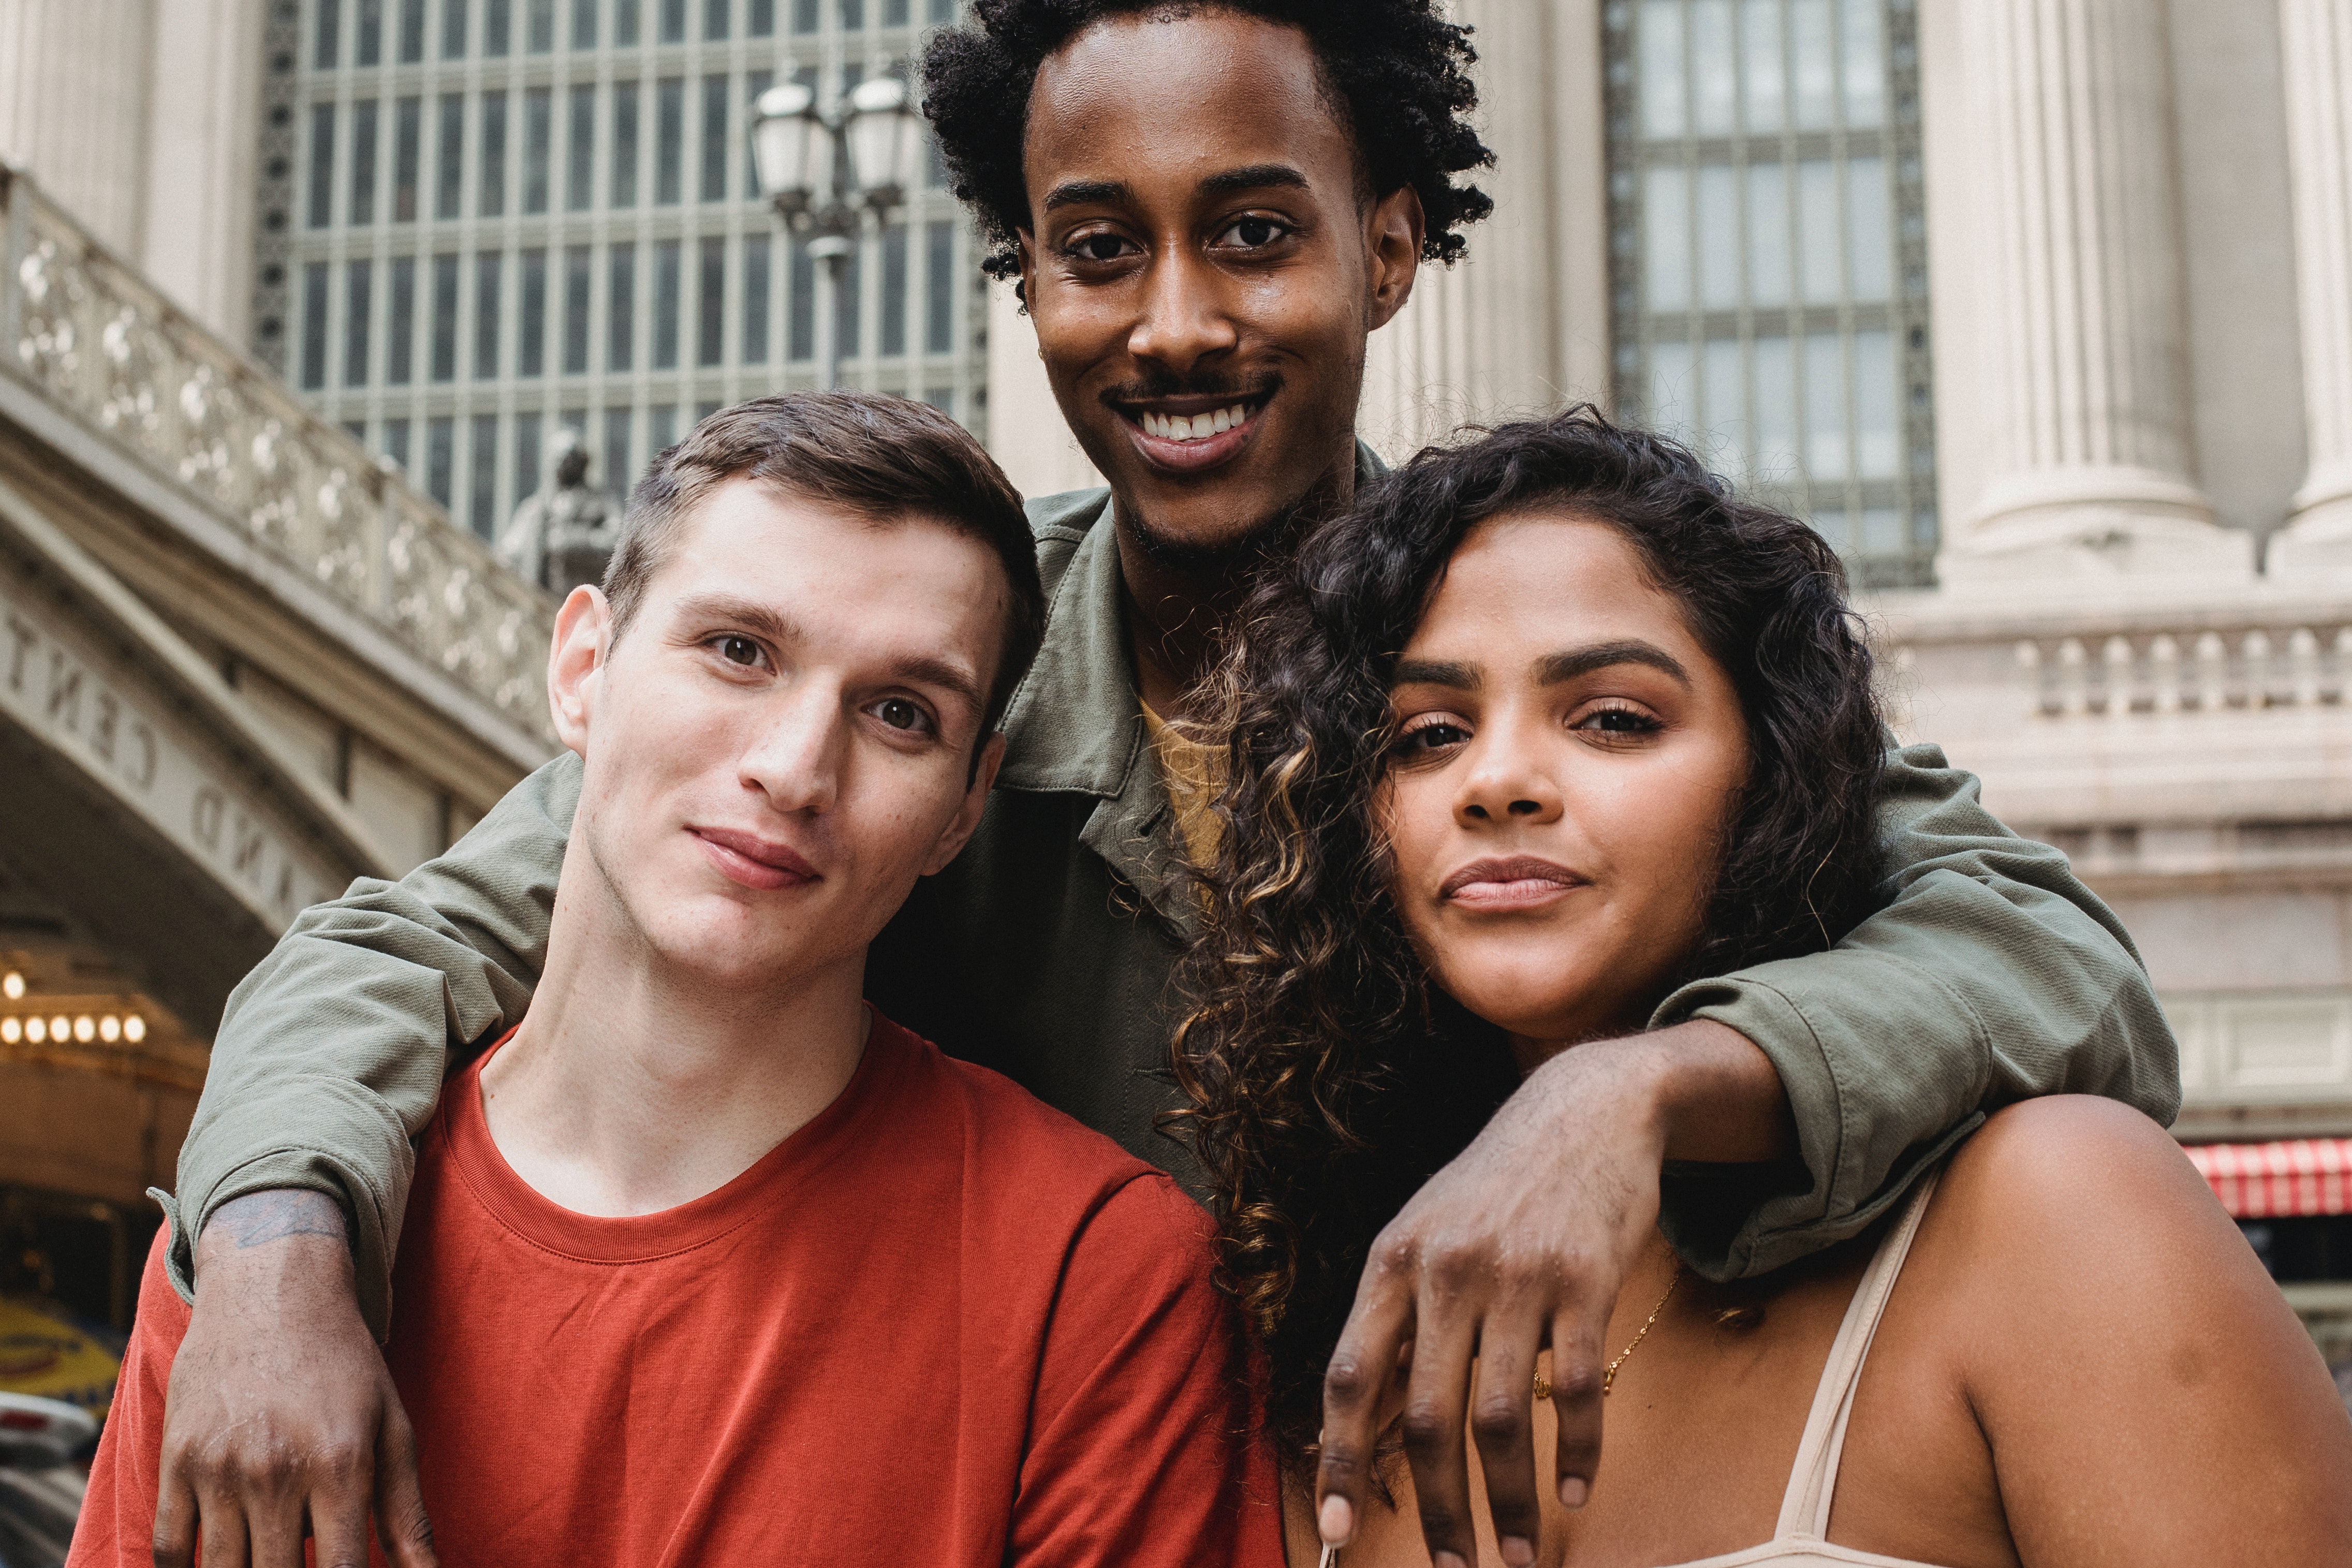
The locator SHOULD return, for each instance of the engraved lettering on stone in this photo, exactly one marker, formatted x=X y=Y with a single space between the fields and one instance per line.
x=249 y=845
x=101 y=735
x=21 y=637
x=65 y=692
x=206 y=817
x=145 y=776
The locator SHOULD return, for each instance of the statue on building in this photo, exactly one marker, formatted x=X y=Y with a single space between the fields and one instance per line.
x=562 y=534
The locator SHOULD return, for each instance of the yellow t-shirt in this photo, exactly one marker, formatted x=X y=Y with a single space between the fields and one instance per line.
x=1195 y=772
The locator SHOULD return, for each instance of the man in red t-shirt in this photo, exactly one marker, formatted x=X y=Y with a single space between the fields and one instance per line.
x=707 y=1261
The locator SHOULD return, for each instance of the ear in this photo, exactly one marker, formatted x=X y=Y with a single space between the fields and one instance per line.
x=966 y=820
x=1393 y=230
x=1028 y=242
x=576 y=664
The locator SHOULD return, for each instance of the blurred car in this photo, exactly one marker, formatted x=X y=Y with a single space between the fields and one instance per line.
x=46 y=1350
x=40 y=1480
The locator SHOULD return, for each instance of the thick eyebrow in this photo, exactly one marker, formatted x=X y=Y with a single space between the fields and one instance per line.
x=761 y=621
x=749 y=614
x=1554 y=668
x=923 y=670
x=1437 y=673
x=1252 y=177
x=1077 y=192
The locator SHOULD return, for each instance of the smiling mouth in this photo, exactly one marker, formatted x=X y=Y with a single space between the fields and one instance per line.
x=1184 y=441
x=1197 y=427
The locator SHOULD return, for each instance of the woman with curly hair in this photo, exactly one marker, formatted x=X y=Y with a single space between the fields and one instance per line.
x=1547 y=726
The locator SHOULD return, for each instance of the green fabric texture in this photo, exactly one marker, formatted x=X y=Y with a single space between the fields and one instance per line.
x=1045 y=951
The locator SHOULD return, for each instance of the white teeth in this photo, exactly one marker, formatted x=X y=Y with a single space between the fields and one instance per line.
x=1199 y=427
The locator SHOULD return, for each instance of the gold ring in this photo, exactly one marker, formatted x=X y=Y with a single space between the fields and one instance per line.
x=1543 y=1387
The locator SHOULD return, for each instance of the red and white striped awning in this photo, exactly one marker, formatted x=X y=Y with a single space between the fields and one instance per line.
x=2263 y=1181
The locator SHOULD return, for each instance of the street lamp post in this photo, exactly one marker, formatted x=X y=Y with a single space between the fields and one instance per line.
x=823 y=172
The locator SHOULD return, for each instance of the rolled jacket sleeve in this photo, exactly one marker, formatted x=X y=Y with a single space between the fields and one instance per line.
x=331 y=1052
x=1988 y=975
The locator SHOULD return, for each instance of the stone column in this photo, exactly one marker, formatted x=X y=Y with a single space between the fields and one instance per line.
x=2080 y=297
x=2316 y=37
x=204 y=141
x=1520 y=324
x=73 y=89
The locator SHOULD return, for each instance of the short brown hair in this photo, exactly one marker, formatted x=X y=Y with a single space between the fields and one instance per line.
x=881 y=458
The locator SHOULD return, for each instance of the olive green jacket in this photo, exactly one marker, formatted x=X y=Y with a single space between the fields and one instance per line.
x=1989 y=974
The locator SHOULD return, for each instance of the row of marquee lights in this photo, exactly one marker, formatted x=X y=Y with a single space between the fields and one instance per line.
x=38 y=1030
x=107 y=1027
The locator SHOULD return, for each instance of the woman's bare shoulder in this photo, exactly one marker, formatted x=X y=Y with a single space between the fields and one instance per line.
x=2132 y=1370
x=2071 y=1160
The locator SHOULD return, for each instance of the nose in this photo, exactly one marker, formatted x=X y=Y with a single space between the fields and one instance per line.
x=796 y=756
x=1507 y=783
x=1183 y=319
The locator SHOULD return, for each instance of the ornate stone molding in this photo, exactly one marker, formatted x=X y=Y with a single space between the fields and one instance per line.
x=96 y=340
x=2188 y=670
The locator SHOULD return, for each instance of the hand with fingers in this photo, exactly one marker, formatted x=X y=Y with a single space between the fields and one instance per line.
x=1520 y=1245
x=281 y=1421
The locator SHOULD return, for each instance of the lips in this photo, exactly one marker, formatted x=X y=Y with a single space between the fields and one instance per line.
x=1516 y=882
x=1187 y=435
x=753 y=861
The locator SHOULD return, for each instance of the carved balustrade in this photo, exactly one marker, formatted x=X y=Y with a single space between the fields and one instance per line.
x=100 y=341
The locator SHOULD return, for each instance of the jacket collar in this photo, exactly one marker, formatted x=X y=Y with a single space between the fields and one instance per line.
x=1076 y=723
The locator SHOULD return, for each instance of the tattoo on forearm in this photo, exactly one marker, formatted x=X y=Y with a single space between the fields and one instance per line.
x=272 y=1215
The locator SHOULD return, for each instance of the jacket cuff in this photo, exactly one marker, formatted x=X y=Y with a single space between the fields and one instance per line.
x=333 y=1115
x=1773 y=1022
x=1856 y=1155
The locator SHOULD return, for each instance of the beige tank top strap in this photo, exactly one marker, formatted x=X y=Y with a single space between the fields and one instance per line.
x=1812 y=1481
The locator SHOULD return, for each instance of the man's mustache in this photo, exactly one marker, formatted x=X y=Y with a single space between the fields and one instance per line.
x=1231 y=387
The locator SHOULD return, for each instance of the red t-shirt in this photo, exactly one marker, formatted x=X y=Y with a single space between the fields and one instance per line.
x=941 y=1323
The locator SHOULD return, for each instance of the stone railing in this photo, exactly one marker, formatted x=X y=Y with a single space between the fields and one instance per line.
x=98 y=340
x=2206 y=671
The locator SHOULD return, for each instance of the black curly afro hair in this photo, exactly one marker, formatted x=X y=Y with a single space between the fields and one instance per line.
x=1398 y=67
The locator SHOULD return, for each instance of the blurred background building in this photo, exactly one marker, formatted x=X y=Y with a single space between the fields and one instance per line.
x=2040 y=309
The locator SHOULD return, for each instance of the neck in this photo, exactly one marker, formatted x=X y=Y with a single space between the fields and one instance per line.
x=1179 y=598
x=634 y=1085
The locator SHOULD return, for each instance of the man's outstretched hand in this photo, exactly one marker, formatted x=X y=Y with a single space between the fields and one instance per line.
x=1522 y=1244
x=282 y=1419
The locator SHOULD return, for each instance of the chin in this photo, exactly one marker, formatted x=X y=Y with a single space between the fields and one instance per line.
x=721 y=944
x=1531 y=1000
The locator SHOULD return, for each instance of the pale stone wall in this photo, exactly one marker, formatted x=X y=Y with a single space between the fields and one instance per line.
x=142 y=117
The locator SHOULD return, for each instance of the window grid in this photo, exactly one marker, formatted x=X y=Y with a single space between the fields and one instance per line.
x=468 y=306
x=1767 y=242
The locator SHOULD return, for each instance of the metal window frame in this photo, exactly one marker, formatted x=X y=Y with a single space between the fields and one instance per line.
x=958 y=376
x=1637 y=329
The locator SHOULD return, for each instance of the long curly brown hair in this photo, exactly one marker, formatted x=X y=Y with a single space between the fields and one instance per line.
x=1327 y=1078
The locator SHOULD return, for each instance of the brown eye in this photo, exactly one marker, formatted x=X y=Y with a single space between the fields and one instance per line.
x=1253 y=233
x=1619 y=721
x=739 y=649
x=900 y=714
x=1431 y=737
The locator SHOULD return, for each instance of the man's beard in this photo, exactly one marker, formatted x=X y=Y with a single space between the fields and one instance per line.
x=1270 y=538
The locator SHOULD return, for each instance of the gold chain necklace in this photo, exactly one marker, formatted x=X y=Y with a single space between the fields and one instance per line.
x=1330 y=1556
x=1609 y=1375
